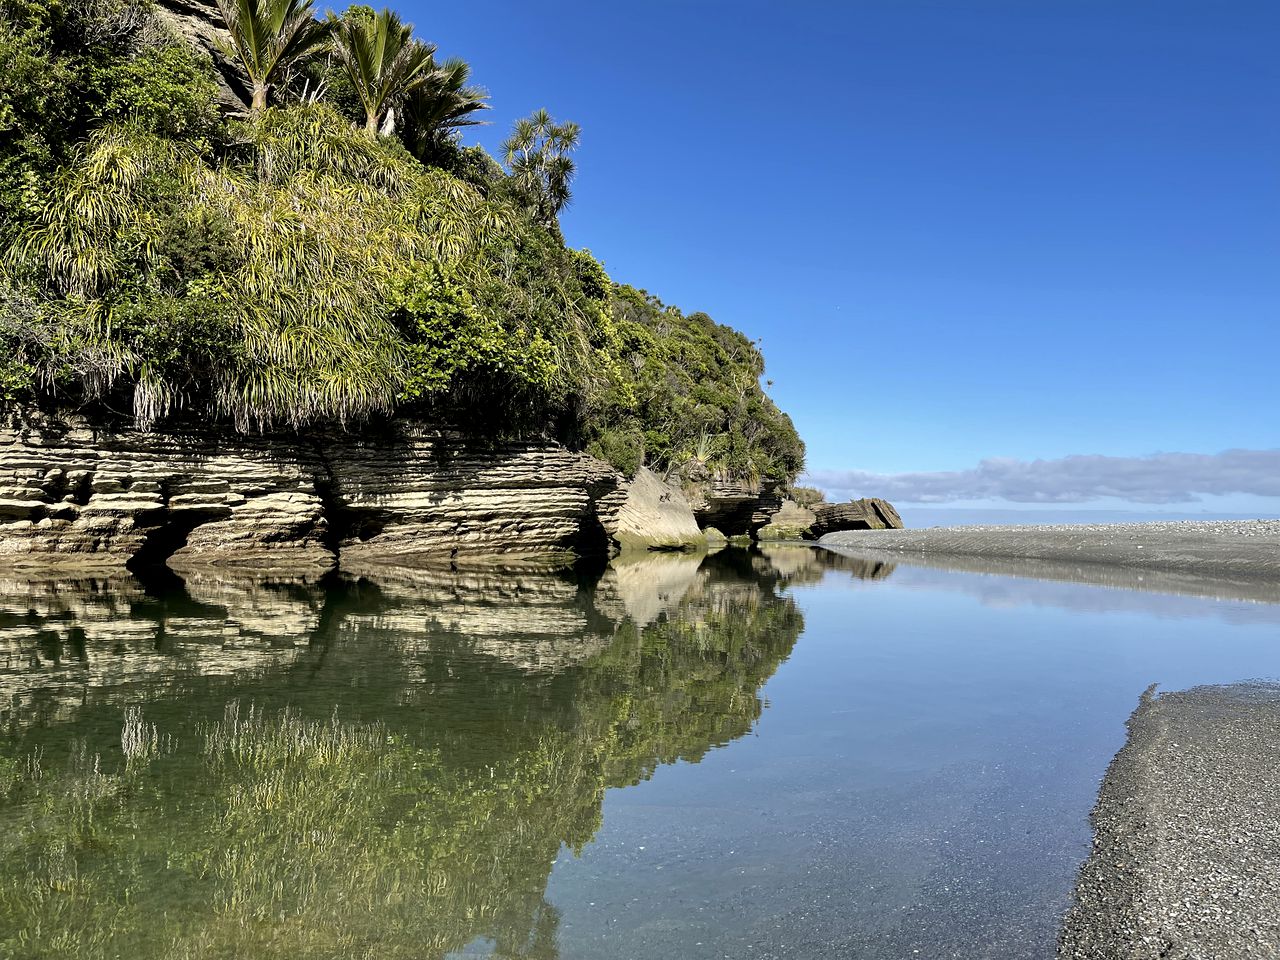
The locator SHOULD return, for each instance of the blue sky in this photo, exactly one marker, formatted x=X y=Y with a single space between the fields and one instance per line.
x=962 y=231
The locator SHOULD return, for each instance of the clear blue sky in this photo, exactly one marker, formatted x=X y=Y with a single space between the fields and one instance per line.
x=961 y=230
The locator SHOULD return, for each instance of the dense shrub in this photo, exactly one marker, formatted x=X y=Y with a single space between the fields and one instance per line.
x=288 y=268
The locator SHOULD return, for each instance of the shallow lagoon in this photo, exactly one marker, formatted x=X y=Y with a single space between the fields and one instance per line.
x=768 y=754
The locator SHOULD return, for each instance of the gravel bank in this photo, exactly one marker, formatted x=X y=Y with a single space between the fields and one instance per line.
x=1236 y=549
x=1186 y=856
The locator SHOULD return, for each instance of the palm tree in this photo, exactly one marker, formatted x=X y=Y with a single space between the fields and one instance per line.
x=268 y=38
x=439 y=107
x=384 y=63
x=538 y=154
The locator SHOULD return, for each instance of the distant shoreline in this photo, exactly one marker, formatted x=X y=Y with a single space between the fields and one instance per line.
x=1242 y=550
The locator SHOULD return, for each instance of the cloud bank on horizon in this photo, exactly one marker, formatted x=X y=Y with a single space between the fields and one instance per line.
x=1161 y=478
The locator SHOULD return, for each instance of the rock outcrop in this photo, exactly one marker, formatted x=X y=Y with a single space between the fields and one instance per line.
x=868 y=514
x=73 y=492
x=655 y=516
x=201 y=25
x=734 y=507
x=422 y=494
x=791 y=522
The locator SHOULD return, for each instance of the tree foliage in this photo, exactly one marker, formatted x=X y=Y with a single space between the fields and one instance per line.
x=283 y=269
x=438 y=108
x=537 y=152
x=383 y=62
x=269 y=38
x=381 y=821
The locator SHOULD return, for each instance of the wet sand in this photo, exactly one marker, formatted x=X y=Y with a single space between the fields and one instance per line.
x=1186 y=855
x=1234 y=550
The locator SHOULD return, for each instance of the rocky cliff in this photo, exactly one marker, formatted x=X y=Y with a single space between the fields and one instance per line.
x=200 y=24
x=734 y=507
x=656 y=516
x=73 y=492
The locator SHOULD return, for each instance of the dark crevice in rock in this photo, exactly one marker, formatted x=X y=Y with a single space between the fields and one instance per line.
x=593 y=540
x=342 y=523
x=167 y=531
x=339 y=520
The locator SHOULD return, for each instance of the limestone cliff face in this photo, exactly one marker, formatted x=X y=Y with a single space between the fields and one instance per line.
x=424 y=494
x=791 y=522
x=69 y=491
x=734 y=507
x=655 y=516
x=200 y=24
x=73 y=492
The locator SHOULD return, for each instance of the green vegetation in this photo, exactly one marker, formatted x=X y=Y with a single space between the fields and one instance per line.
x=808 y=497
x=269 y=38
x=330 y=254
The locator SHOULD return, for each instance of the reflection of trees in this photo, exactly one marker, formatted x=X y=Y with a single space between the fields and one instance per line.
x=464 y=755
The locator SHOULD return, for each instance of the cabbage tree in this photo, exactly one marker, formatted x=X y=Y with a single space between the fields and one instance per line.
x=269 y=38
x=537 y=152
x=383 y=62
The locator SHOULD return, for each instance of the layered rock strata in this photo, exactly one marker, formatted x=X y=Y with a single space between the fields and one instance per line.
x=71 y=492
x=734 y=507
x=425 y=495
x=791 y=522
x=871 y=513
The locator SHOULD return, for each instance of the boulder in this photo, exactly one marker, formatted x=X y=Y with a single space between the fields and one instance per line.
x=655 y=516
x=868 y=514
x=791 y=522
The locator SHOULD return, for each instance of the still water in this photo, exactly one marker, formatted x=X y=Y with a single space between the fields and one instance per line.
x=785 y=753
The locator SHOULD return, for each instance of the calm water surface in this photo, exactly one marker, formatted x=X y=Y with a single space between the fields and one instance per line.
x=777 y=754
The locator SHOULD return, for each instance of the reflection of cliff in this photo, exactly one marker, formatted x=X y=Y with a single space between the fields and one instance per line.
x=66 y=642
x=481 y=716
x=797 y=564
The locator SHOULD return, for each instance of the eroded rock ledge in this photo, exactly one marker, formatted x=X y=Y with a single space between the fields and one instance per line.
x=75 y=493
x=72 y=492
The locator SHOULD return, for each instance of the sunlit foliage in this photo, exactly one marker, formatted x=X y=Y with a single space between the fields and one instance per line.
x=283 y=269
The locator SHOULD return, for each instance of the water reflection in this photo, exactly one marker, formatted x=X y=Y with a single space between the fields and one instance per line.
x=382 y=765
x=997 y=582
x=1210 y=585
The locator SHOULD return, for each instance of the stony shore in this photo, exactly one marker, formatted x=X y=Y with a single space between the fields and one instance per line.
x=1245 y=550
x=1186 y=857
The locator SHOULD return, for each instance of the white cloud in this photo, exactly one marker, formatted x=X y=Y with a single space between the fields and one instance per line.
x=1159 y=478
